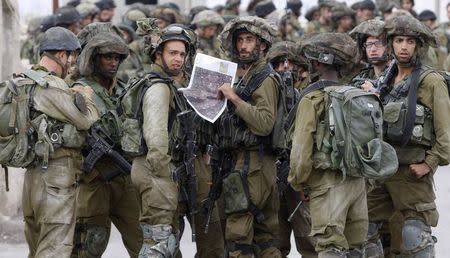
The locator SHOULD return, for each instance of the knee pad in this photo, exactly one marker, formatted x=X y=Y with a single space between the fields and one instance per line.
x=159 y=241
x=417 y=240
x=96 y=240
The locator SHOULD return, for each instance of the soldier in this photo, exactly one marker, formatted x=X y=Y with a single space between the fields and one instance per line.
x=87 y=11
x=365 y=11
x=48 y=199
x=284 y=57
x=106 y=12
x=408 y=5
x=208 y=25
x=446 y=26
x=324 y=22
x=338 y=205
x=106 y=193
x=372 y=49
x=69 y=18
x=421 y=138
x=151 y=172
x=232 y=7
x=250 y=118
x=28 y=49
x=342 y=18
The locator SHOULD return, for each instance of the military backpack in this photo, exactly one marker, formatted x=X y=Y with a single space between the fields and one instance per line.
x=16 y=130
x=349 y=136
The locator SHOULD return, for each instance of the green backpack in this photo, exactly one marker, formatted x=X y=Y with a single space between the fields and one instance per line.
x=16 y=131
x=350 y=137
x=130 y=110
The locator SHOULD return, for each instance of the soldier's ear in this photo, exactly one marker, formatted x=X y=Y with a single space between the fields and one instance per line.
x=263 y=46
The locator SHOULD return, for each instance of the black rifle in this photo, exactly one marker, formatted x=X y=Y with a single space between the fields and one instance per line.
x=186 y=172
x=99 y=147
x=221 y=164
x=381 y=84
x=282 y=175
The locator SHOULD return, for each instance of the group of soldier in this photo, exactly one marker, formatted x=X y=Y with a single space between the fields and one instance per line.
x=80 y=55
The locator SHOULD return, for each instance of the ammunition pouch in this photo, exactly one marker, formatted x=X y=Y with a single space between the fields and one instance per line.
x=235 y=134
x=395 y=117
x=132 y=141
x=236 y=192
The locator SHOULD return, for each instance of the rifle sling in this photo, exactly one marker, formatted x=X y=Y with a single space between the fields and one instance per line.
x=412 y=103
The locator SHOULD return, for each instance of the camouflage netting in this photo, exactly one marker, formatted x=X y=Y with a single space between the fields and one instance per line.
x=88 y=32
x=207 y=18
x=99 y=38
x=252 y=24
x=320 y=46
x=285 y=49
x=373 y=27
x=409 y=26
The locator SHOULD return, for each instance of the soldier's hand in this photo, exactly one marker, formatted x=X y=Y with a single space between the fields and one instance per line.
x=368 y=86
x=226 y=91
x=304 y=196
x=85 y=90
x=419 y=170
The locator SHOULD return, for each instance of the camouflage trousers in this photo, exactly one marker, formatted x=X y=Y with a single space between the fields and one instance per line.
x=157 y=193
x=338 y=213
x=48 y=204
x=210 y=244
x=300 y=225
x=98 y=204
x=242 y=228
x=398 y=198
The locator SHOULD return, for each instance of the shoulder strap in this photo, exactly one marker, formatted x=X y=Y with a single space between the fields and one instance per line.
x=256 y=81
x=412 y=102
x=36 y=76
x=149 y=80
x=319 y=85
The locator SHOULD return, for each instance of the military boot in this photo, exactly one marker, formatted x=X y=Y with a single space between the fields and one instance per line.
x=374 y=248
x=159 y=241
x=356 y=253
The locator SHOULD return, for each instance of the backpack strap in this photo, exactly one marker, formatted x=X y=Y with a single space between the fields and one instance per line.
x=37 y=77
x=150 y=79
x=255 y=82
x=319 y=85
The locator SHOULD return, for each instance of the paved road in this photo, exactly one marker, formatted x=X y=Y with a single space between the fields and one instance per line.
x=116 y=250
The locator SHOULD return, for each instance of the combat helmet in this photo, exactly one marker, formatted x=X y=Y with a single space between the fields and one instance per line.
x=207 y=18
x=87 y=9
x=337 y=49
x=340 y=10
x=286 y=49
x=66 y=15
x=255 y=25
x=374 y=28
x=59 y=38
x=99 y=38
x=405 y=25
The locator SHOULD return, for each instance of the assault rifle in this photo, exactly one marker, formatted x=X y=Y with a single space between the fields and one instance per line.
x=186 y=172
x=380 y=84
x=99 y=147
x=221 y=164
x=282 y=175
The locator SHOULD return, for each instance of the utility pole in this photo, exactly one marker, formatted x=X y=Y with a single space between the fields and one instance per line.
x=55 y=5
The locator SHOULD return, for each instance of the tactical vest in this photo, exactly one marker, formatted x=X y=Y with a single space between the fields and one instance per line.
x=396 y=115
x=130 y=110
x=26 y=133
x=106 y=105
x=233 y=132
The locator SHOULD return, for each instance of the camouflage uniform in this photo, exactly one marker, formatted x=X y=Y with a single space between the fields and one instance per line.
x=404 y=200
x=301 y=221
x=28 y=49
x=203 y=19
x=152 y=172
x=48 y=199
x=257 y=118
x=324 y=23
x=338 y=206
x=101 y=202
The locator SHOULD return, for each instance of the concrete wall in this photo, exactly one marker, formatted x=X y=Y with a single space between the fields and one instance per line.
x=10 y=202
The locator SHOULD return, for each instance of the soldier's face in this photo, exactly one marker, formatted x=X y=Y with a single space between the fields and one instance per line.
x=404 y=48
x=106 y=15
x=374 y=48
x=86 y=20
x=325 y=13
x=108 y=64
x=173 y=56
x=407 y=5
x=365 y=14
x=161 y=23
x=245 y=44
x=209 y=31
x=346 y=23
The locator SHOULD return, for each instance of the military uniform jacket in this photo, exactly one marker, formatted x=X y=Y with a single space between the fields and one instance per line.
x=433 y=94
x=56 y=101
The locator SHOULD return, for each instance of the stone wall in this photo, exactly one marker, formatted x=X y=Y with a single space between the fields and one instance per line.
x=10 y=202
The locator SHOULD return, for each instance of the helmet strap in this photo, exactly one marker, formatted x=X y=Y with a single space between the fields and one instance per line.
x=64 y=67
